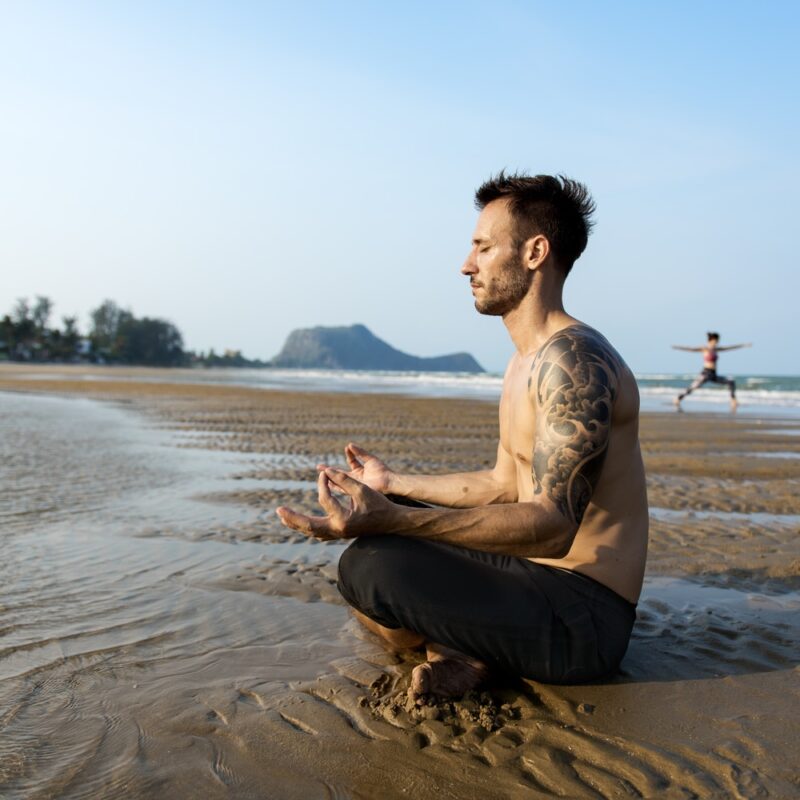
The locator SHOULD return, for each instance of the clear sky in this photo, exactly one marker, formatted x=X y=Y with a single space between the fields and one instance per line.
x=246 y=168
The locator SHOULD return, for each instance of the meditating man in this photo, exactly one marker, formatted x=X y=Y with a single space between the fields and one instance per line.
x=532 y=567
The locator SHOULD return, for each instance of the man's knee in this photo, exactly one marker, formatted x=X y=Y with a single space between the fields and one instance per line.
x=363 y=563
x=369 y=570
x=350 y=565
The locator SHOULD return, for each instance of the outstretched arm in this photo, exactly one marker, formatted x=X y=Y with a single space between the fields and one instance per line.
x=689 y=349
x=735 y=346
x=572 y=386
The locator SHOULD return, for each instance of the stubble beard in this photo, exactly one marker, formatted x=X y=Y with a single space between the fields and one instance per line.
x=504 y=293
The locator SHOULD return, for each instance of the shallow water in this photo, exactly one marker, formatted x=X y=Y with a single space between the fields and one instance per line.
x=100 y=626
x=742 y=517
x=123 y=658
x=787 y=454
x=687 y=629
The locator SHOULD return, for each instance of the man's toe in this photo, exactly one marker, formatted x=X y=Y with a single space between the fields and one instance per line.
x=420 y=681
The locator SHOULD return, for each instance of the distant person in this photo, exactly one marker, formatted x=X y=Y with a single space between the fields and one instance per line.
x=709 y=374
x=532 y=567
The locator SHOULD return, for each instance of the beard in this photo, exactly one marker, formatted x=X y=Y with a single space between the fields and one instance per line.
x=504 y=292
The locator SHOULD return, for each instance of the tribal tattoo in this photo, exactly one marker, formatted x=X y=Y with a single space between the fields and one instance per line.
x=574 y=381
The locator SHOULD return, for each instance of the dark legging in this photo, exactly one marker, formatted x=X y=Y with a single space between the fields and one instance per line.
x=709 y=376
x=515 y=615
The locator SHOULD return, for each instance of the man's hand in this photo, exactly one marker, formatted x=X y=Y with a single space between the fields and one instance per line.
x=366 y=468
x=367 y=512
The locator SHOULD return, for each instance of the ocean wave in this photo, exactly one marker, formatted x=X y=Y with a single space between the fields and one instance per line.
x=664 y=376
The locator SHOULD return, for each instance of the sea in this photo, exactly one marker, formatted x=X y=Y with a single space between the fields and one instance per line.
x=760 y=395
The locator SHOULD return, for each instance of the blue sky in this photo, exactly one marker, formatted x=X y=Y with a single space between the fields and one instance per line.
x=244 y=169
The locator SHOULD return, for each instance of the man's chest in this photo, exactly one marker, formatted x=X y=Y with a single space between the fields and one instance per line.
x=518 y=414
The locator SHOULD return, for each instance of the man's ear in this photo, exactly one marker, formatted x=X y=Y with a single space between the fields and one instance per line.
x=535 y=251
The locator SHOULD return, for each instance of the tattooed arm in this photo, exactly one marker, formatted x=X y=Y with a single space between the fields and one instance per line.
x=572 y=387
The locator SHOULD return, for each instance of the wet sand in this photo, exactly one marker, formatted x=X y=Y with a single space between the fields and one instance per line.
x=161 y=635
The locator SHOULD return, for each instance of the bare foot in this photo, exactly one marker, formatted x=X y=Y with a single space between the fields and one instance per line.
x=447 y=673
x=677 y=403
x=734 y=405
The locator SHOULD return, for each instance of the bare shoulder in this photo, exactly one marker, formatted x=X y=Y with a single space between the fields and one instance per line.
x=574 y=384
x=578 y=359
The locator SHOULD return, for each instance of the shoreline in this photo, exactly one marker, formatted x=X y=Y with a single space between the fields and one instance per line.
x=711 y=659
x=431 y=385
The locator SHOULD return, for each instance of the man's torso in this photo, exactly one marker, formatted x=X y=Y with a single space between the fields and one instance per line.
x=611 y=543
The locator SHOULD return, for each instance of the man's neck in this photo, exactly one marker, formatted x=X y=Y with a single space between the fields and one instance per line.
x=536 y=319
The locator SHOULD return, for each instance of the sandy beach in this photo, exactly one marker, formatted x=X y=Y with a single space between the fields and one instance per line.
x=162 y=635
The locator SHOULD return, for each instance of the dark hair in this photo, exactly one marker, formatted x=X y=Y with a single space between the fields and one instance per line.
x=713 y=335
x=557 y=207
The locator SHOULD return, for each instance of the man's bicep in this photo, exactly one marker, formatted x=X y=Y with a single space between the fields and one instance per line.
x=573 y=385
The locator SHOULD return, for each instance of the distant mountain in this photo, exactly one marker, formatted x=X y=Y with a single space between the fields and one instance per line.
x=356 y=347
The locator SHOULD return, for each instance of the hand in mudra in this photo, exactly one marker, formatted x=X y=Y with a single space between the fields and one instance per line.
x=364 y=512
x=366 y=469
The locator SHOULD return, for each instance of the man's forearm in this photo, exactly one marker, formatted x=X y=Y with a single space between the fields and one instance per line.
x=518 y=529
x=457 y=490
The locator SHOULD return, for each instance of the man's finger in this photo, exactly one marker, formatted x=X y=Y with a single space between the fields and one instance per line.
x=345 y=482
x=326 y=499
x=312 y=526
x=321 y=470
x=352 y=460
x=359 y=451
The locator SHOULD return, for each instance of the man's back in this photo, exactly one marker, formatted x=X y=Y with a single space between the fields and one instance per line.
x=611 y=543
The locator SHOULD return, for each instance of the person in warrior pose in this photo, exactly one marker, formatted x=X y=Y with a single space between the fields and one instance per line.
x=533 y=567
x=709 y=374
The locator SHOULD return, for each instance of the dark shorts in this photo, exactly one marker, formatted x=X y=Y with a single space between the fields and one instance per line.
x=518 y=617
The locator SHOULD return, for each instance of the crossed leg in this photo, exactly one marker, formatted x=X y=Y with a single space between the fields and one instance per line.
x=446 y=673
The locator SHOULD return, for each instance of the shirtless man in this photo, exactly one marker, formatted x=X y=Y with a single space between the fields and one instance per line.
x=533 y=567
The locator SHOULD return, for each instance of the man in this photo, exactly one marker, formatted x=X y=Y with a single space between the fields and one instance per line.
x=533 y=567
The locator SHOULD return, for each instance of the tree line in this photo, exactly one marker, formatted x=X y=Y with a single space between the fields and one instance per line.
x=115 y=336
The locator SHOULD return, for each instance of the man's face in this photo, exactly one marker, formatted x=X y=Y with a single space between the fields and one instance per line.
x=498 y=278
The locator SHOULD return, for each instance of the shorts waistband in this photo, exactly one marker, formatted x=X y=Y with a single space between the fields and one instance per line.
x=580 y=575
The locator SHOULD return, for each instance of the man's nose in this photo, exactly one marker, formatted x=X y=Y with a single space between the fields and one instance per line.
x=468 y=267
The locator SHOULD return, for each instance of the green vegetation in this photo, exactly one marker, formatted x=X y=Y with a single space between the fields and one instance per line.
x=116 y=337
